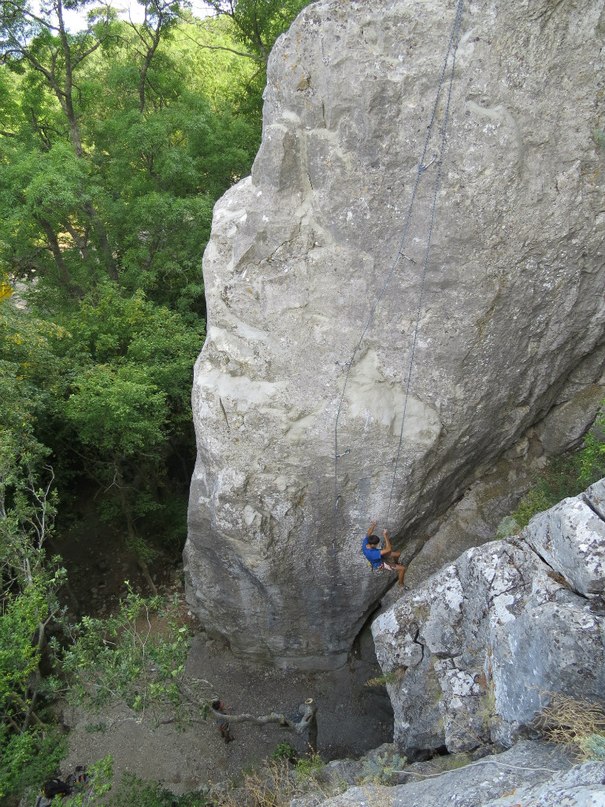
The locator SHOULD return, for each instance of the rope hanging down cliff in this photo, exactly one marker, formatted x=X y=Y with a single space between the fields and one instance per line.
x=445 y=77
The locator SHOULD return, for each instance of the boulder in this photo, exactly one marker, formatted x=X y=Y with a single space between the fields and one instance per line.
x=394 y=297
x=581 y=786
x=570 y=538
x=529 y=767
x=473 y=655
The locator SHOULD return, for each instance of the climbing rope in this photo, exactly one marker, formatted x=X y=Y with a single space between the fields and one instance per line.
x=422 y=167
x=506 y=765
x=453 y=48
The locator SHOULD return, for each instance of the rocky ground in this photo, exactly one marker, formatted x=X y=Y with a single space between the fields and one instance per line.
x=352 y=718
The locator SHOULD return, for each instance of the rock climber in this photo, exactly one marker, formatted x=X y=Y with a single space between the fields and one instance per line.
x=385 y=559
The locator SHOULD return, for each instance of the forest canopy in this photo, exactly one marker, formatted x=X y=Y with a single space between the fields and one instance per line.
x=116 y=140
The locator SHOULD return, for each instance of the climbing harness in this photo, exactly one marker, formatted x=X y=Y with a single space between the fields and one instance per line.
x=423 y=166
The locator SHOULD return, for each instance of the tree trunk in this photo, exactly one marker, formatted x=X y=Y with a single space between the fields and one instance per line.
x=53 y=244
x=305 y=724
x=133 y=538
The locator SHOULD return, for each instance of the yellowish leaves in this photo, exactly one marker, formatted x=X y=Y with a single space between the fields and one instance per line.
x=6 y=290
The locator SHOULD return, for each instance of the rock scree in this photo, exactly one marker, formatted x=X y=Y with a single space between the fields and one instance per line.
x=510 y=306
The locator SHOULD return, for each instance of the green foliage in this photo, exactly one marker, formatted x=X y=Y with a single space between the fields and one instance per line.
x=133 y=792
x=558 y=480
x=591 y=460
x=100 y=781
x=19 y=657
x=115 y=143
x=125 y=406
x=382 y=769
x=26 y=360
x=137 y=655
x=285 y=751
x=308 y=767
x=593 y=747
x=108 y=382
x=28 y=759
x=118 y=179
x=29 y=582
x=567 y=475
x=109 y=171
x=257 y=23
x=132 y=335
x=117 y=411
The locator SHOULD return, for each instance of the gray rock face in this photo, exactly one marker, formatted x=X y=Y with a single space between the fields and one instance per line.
x=300 y=253
x=571 y=539
x=483 y=512
x=582 y=786
x=529 y=767
x=472 y=655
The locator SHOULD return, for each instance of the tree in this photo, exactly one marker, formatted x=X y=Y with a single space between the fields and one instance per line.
x=43 y=43
x=120 y=414
x=52 y=179
x=123 y=658
x=120 y=181
x=29 y=582
x=258 y=23
x=115 y=142
x=159 y=17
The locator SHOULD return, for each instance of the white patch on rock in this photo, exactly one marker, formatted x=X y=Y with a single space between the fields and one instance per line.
x=513 y=636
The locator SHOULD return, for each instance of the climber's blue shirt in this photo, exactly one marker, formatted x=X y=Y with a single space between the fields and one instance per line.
x=373 y=555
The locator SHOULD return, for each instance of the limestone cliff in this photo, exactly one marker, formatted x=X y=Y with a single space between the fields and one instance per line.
x=511 y=303
x=477 y=651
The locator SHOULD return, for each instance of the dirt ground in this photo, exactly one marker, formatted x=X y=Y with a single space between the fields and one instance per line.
x=352 y=718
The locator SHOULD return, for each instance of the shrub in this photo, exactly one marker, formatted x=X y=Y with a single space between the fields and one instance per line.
x=566 y=475
x=578 y=724
x=133 y=792
x=285 y=751
x=274 y=784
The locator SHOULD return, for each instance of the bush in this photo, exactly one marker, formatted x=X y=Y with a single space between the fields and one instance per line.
x=28 y=759
x=274 y=784
x=133 y=792
x=285 y=751
x=577 y=724
x=567 y=475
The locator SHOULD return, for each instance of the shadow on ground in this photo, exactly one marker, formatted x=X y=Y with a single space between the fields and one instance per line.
x=352 y=718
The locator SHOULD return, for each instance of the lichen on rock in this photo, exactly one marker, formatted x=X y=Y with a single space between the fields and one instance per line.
x=484 y=643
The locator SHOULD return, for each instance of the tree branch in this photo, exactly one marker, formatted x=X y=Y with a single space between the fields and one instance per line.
x=77 y=59
x=27 y=13
x=246 y=55
x=306 y=722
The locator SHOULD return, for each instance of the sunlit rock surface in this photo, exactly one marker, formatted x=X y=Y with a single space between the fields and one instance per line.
x=299 y=252
x=531 y=773
x=474 y=654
